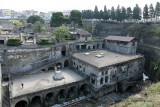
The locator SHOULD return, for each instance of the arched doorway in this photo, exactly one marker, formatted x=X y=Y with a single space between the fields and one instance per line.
x=62 y=95
x=94 y=47
x=21 y=104
x=97 y=46
x=84 y=89
x=50 y=68
x=129 y=88
x=66 y=63
x=73 y=92
x=50 y=99
x=63 y=52
x=36 y=102
x=59 y=65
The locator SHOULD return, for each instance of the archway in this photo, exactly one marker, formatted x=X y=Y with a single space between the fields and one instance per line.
x=129 y=88
x=1 y=41
x=73 y=92
x=21 y=104
x=84 y=89
x=94 y=47
x=43 y=69
x=63 y=52
x=50 y=98
x=97 y=46
x=50 y=68
x=59 y=65
x=36 y=102
x=62 y=95
x=66 y=63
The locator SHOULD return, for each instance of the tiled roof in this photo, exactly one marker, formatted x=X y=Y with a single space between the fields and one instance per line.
x=120 y=38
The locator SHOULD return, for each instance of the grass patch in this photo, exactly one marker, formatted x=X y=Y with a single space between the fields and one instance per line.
x=151 y=100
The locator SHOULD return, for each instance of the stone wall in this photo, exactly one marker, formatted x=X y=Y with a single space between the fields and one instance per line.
x=152 y=60
x=21 y=60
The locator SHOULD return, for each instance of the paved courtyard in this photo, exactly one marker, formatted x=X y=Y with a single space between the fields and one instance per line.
x=37 y=82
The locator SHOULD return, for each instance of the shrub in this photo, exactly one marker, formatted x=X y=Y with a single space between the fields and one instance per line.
x=94 y=38
x=69 y=38
x=45 y=41
x=148 y=23
x=13 y=42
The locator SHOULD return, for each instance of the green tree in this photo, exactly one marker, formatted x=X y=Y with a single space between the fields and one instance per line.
x=96 y=13
x=113 y=14
x=87 y=14
x=61 y=33
x=145 y=12
x=157 y=10
x=118 y=14
x=32 y=19
x=76 y=17
x=105 y=13
x=38 y=27
x=151 y=11
x=123 y=14
x=137 y=13
x=129 y=13
x=100 y=14
x=23 y=22
x=57 y=19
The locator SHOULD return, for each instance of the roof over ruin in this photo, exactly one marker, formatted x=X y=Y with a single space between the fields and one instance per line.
x=103 y=58
x=120 y=38
x=81 y=32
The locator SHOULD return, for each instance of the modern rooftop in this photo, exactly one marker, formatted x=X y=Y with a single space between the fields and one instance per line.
x=37 y=82
x=102 y=58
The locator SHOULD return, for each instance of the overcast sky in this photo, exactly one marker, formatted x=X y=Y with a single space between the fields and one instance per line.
x=60 y=5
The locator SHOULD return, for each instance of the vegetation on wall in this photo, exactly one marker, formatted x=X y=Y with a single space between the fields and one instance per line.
x=141 y=30
x=13 y=42
x=16 y=22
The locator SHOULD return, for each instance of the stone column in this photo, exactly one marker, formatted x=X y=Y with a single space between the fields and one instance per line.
x=23 y=40
x=34 y=40
x=109 y=76
x=98 y=82
x=79 y=47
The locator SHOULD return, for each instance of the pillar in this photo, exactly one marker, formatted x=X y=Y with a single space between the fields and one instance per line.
x=34 y=40
x=23 y=41
x=109 y=76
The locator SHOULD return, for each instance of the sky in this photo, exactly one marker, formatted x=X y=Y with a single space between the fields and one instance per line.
x=60 y=5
